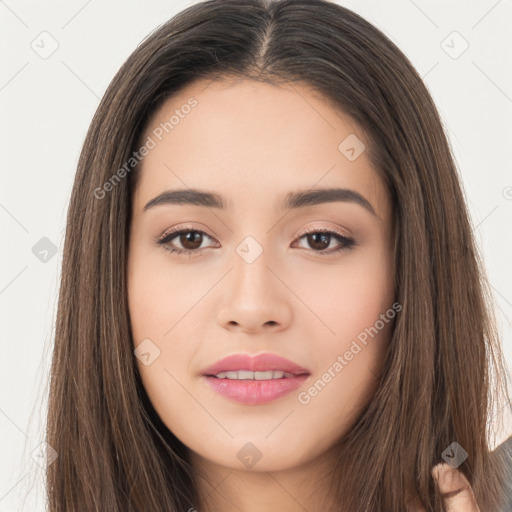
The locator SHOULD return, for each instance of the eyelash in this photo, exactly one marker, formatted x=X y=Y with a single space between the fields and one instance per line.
x=163 y=241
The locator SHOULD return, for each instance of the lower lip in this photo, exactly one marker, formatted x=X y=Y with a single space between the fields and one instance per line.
x=255 y=392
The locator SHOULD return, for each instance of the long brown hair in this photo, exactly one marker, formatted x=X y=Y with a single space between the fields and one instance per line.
x=444 y=374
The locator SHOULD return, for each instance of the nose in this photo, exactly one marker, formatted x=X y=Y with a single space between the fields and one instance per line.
x=255 y=297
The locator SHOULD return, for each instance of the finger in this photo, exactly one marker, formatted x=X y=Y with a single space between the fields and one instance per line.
x=415 y=505
x=455 y=489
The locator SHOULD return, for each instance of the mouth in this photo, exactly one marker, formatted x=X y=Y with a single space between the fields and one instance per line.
x=254 y=380
x=248 y=375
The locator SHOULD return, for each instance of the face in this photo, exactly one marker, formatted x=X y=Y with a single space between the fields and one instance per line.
x=259 y=272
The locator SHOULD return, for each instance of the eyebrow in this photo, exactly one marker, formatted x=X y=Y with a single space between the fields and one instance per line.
x=293 y=200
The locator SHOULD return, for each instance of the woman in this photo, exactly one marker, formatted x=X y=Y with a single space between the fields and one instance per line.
x=271 y=297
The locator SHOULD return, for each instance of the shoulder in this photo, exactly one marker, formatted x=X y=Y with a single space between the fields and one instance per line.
x=504 y=452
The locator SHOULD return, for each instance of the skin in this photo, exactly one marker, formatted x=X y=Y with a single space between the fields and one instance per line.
x=253 y=143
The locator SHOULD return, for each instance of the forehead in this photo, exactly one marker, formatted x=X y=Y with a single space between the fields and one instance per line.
x=257 y=140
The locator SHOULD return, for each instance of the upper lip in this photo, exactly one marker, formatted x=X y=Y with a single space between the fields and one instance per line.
x=259 y=363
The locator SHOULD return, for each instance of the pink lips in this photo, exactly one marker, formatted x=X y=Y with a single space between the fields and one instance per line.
x=254 y=392
x=259 y=363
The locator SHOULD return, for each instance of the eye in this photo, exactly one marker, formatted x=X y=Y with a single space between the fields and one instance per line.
x=320 y=240
x=191 y=241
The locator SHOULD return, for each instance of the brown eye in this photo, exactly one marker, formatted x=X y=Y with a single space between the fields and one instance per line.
x=190 y=241
x=319 y=240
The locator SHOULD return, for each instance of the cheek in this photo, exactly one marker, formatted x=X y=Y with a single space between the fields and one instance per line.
x=348 y=297
x=156 y=306
x=160 y=302
x=354 y=304
x=348 y=364
x=158 y=296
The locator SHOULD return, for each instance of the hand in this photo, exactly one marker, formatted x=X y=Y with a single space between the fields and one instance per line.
x=455 y=488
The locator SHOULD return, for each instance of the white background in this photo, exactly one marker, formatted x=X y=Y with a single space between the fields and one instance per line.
x=46 y=106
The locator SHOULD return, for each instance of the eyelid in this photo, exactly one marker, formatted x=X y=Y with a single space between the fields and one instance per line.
x=347 y=240
x=302 y=232
x=317 y=228
x=179 y=228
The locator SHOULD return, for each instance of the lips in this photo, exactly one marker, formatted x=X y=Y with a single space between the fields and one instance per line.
x=260 y=363
x=246 y=387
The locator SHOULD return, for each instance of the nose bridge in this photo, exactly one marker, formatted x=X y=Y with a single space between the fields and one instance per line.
x=251 y=264
x=254 y=296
